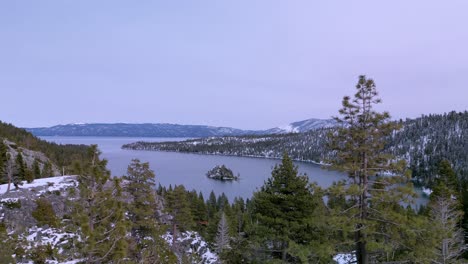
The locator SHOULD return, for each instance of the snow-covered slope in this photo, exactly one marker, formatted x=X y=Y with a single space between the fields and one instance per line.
x=42 y=185
x=303 y=126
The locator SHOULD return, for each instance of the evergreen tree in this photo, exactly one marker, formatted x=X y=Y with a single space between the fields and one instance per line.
x=374 y=200
x=142 y=210
x=18 y=171
x=281 y=210
x=47 y=170
x=44 y=213
x=148 y=246
x=211 y=204
x=3 y=163
x=28 y=175
x=445 y=220
x=100 y=212
x=445 y=183
x=36 y=169
x=178 y=207
x=8 y=245
x=222 y=237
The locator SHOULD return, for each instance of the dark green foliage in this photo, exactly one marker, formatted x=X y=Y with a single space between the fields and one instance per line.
x=140 y=185
x=42 y=253
x=28 y=175
x=147 y=246
x=178 y=206
x=100 y=211
x=445 y=183
x=199 y=211
x=374 y=200
x=7 y=246
x=44 y=213
x=281 y=210
x=47 y=170
x=19 y=173
x=36 y=169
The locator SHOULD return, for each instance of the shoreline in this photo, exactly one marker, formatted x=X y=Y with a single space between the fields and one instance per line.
x=231 y=155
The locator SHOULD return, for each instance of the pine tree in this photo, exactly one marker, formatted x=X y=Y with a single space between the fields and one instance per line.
x=446 y=183
x=446 y=215
x=16 y=170
x=148 y=246
x=100 y=212
x=19 y=173
x=44 y=213
x=36 y=169
x=211 y=205
x=222 y=236
x=374 y=199
x=28 y=175
x=178 y=207
x=281 y=210
x=445 y=221
x=8 y=244
x=47 y=170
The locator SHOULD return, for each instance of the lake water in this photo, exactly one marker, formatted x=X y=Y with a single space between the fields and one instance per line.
x=190 y=169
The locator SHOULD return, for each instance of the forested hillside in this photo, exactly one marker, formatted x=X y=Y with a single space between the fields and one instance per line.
x=61 y=155
x=423 y=142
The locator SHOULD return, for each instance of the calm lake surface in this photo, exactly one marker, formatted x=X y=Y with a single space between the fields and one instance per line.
x=190 y=169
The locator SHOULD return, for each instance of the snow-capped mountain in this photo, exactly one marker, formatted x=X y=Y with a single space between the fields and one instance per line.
x=171 y=130
x=302 y=126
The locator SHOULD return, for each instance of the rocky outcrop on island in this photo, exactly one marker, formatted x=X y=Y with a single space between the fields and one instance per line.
x=221 y=173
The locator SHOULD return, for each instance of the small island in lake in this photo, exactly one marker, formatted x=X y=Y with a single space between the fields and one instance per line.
x=222 y=173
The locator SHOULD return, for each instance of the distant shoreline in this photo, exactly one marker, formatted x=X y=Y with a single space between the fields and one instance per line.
x=231 y=155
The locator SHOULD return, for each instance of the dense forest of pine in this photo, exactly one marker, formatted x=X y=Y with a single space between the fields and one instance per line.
x=423 y=142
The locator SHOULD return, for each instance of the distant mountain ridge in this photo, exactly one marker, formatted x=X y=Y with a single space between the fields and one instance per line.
x=170 y=130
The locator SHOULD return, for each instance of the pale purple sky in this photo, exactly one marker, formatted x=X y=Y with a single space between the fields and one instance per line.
x=245 y=63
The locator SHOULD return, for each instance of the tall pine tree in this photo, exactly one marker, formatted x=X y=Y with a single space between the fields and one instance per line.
x=147 y=246
x=100 y=212
x=375 y=198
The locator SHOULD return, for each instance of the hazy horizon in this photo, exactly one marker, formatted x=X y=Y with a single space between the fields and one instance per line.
x=245 y=64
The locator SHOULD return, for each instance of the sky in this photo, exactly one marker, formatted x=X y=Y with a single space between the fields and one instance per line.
x=251 y=64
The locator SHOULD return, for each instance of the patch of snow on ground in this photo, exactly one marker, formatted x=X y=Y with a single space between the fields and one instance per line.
x=345 y=258
x=426 y=191
x=52 y=184
x=54 y=237
x=197 y=243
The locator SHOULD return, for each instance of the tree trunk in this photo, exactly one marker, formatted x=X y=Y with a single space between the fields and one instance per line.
x=174 y=227
x=284 y=246
x=361 y=240
x=9 y=179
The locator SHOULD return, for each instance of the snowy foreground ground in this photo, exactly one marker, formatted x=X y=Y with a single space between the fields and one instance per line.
x=45 y=184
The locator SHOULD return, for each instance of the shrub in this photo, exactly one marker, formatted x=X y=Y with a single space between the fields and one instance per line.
x=44 y=213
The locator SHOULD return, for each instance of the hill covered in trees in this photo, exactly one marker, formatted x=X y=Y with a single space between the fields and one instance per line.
x=61 y=155
x=423 y=142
